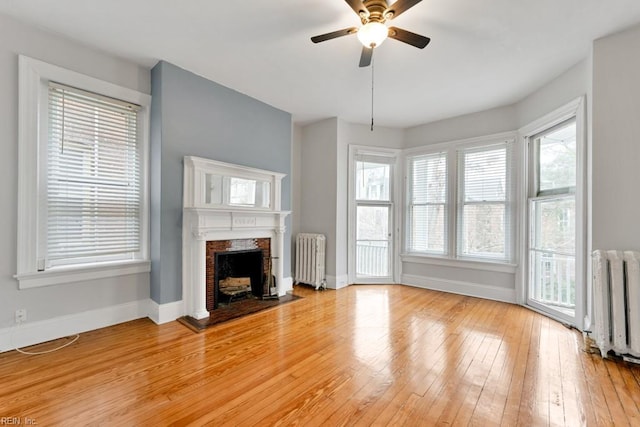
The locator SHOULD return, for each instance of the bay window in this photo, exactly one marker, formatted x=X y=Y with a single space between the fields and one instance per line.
x=459 y=201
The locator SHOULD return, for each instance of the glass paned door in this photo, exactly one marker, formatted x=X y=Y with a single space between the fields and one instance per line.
x=373 y=219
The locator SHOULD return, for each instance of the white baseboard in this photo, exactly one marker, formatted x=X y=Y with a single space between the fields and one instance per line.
x=463 y=288
x=163 y=313
x=337 y=282
x=31 y=333
x=285 y=286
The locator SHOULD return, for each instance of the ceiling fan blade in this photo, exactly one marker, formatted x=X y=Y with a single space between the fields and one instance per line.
x=408 y=37
x=358 y=7
x=400 y=6
x=334 y=34
x=365 y=57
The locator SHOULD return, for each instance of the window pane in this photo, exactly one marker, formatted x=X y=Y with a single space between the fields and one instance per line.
x=372 y=241
x=373 y=258
x=373 y=223
x=242 y=192
x=428 y=225
x=485 y=175
x=429 y=180
x=372 y=181
x=93 y=178
x=428 y=207
x=553 y=279
x=557 y=151
x=483 y=231
x=555 y=225
x=483 y=223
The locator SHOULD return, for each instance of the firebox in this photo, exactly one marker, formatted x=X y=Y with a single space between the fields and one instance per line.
x=238 y=274
x=244 y=271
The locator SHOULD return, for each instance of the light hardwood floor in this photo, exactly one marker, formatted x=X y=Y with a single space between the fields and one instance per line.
x=364 y=355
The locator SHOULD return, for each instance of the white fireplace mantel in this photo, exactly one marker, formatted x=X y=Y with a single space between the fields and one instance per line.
x=209 y=214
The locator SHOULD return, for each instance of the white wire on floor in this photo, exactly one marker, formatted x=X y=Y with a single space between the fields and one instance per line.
x=35 y=353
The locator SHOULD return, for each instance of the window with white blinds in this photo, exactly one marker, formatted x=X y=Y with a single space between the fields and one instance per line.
x=428 y=205
x=484 y=193
x=93 y=179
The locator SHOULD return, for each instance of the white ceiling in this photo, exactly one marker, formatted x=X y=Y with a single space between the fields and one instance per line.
x=483 y=54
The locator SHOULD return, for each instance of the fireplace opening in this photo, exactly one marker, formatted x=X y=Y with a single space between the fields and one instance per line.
x=238 y=274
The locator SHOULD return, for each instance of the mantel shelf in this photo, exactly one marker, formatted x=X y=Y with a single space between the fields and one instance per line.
x=225 y=210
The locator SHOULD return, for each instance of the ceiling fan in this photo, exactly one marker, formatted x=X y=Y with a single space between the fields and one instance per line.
x=374 y=14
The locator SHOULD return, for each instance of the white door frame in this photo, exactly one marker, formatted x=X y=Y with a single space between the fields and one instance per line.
x=395 y=223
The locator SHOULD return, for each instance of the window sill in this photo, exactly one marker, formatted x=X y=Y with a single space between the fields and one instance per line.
x=496 y=266
x=63 y=275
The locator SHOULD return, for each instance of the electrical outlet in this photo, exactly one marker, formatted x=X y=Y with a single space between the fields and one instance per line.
x=21 y=315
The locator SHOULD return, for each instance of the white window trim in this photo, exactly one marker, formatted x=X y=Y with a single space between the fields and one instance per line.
x=577 y=109
x=509 y=203
x=474 y=264
x=452 y=259
x=32 y=104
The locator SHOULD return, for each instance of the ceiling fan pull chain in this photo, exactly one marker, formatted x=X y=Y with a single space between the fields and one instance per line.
x=372 y=69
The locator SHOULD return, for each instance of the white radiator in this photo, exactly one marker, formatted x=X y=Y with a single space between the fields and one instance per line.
x=616 y=300
x=310 y=259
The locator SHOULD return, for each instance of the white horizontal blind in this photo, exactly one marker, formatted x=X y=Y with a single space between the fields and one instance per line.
x=428 y=203
x=484 y=193
x=93 y=197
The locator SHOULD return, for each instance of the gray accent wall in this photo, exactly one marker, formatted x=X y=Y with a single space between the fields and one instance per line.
x=193 y=116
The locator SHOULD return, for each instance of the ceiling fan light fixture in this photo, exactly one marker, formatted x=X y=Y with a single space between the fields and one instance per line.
x=372 y=34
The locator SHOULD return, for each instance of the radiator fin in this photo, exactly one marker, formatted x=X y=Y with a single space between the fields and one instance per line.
x=310 y=259
x=616 y=288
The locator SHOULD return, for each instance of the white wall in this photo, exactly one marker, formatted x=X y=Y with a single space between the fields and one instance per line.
x=318 y=180
x=321 y=195
x=342 y=206
x=385 y=137
x=571 y=84
x=296 y=189
x=616 y=141
x=475 y=281
x=64 y=300
x=488 y=122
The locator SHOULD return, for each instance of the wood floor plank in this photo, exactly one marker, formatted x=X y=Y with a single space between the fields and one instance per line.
x=575 y=395
x=493 y=397
x=360 y=356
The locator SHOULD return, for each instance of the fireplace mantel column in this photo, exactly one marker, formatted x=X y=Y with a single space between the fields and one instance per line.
x=277 y=250
x=198 y=299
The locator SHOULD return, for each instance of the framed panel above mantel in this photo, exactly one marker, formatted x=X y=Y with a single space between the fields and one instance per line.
x=217 y=185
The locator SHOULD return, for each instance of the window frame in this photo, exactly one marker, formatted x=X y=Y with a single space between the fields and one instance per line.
x=34 y=77
x=410 y=161
x=394 y=159
x=508 y=202
x=573 y=110
x=535 y=159
x=452 y=258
